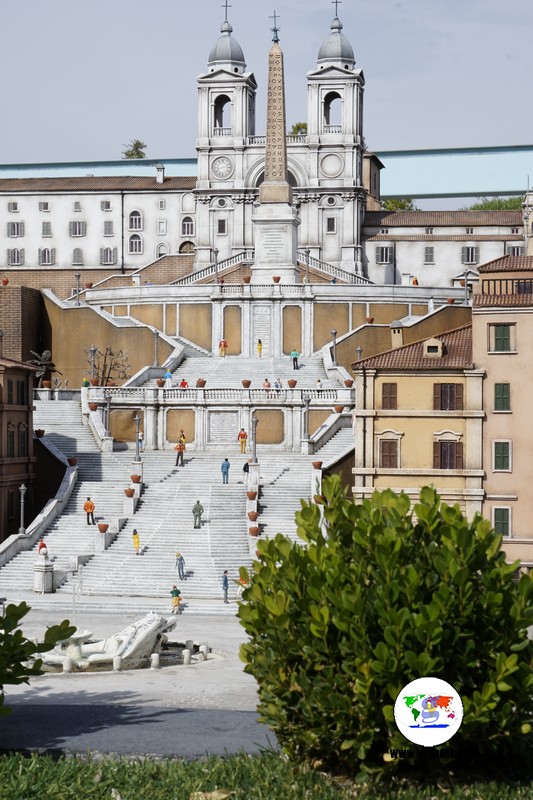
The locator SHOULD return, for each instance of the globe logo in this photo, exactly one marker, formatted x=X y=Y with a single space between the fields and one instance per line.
x=428 y=711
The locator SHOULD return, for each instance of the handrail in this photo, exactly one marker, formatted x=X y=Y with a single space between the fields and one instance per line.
x=212 y=269
x=331 y=269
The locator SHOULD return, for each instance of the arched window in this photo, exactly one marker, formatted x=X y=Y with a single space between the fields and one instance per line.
x=136 y=221
x=15 y=257
x=187 y=226
x=77 y=257
x=161 y=250
x=47 y=256
x=135 y=244
x=186 y=247
x=222 y=116
x=108 y=255
x=332 y=113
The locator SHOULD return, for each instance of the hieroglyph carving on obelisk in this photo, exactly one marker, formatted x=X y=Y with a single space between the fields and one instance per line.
x=275 y=188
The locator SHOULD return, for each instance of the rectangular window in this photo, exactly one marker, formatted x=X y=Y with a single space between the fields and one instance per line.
x=77 y=228
x=221 y=226
x=384 y=230
x=501 y=338
x=10 y=392
x=501 y=456
x=331 y=224
x=161 y=205
x=470 y=255
x=162 y=227
x=44 y=206
x=13 y=207
x=501 y=521
x=514 y=250
x=388 y=454
x=447 y=455
x=46 y=229
x=15 y=229
x=11 y=443
x=469 y=231
x=429 y=255
x=105 y=205
x=23 y=450
x=22 y=393
x=108 y=228
x=502 y=397
x=447 y=397
x=429 y=231
x=77 y=205
x=515 y=230
x=389 y=396
x=384 y=255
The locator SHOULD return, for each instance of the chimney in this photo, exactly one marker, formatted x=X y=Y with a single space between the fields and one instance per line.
x=160 y=177
x=396 y=330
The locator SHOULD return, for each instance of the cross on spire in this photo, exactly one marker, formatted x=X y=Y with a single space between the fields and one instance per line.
x=275 y=30
x=336 y=3
x=225 y=6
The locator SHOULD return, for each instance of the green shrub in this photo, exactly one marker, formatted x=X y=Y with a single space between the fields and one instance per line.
x=377 y=598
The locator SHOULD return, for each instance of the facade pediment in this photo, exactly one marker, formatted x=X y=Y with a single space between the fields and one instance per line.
x=224 y=76
x=335 y=73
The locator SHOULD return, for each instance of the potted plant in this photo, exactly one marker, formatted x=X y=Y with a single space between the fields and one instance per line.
x=93 y=406
x=292 y=383
x=317 y=464
x=102 y=527
x=135 y=478
x=89 y=285
x=72 y=461
x=129 y=492
x=5 y=281
x=160 y=382
x=200 y=383
x=254 y=531
x=276 y=278
x=348 y=383
x=93 y=381
x=246 y=278
x=251 y=495
x=370 y=320
x=246 y=384
x=39 y=433
x=252 y=516
x=47 y=384
x=339 y=409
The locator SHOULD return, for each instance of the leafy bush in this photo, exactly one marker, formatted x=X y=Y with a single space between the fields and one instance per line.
x=377 y=598
x=16 y=650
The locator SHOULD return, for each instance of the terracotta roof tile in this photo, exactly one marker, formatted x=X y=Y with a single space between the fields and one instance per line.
x=113 y=183
x=457 y=354
x=422 y=219
x=494 y=300
x=508 y=264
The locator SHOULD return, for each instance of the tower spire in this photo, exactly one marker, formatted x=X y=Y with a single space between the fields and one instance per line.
x=225 y=6
x=336 y=3
x=276 y=29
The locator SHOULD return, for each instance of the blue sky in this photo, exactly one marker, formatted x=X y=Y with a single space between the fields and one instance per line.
x=82 y=79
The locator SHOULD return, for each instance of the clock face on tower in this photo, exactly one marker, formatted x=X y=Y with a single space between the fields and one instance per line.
x=222 y=167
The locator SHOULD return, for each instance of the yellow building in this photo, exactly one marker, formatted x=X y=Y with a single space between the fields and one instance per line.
x=419 y=418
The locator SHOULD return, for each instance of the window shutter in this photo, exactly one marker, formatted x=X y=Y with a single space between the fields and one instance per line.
x=9 y=258
x=53 y=255
x=459 y=392
x=71 y=229
x=476 y=255
x=83 y=227
x=378 y=255
x=40 y=255
x=463 y=255
x=9 y=229
x=436 y=397
x=21 y=229
x=102 y=251
x=114 y=255
x=21 y=259
x=436 y=455
x=393 y=396
x=458 y=455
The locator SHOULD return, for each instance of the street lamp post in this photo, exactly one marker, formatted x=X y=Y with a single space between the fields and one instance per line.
x=77 y=276
x=156 y=344
x=307 y=402
x=215 y=253
x=254 y=437
x=93 y=351
x=334 y=337
x=22 y=489
x=107 y=398
x=359 y=351
x=137 y=421
x=307 y=278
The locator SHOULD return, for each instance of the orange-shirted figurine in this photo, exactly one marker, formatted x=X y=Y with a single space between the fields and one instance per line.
x=242 y=438
x=222 y=348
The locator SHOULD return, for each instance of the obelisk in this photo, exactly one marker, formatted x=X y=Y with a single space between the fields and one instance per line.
x=275 y=219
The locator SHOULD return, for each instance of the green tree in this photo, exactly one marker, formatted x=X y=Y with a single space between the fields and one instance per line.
x=380 y=595
x=17 y=652
x=298 y=128
x=495 y=204
x=135 y=149
x=399 y=204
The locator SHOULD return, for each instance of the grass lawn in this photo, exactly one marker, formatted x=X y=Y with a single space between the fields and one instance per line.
x=267 y=777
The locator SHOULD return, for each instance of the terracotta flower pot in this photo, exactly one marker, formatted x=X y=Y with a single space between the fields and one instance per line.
x=102 y=527
x=348 y=383
x=317 y=464
x=251 y=495
x=93 y=406
x=160 y=382
x=89 y=285
x=339 y=409
x=246 y=384
x=5 y=281
x=246 y=278
x=276 y=278
x=450 y=301
x=135 y=478
x=129 y=492
x=93 y=381
x=72 y=461
x=370 y=320
x=292 y=383
x=254 y=531
x=200 y=383
x=39 y=433
x=47 y=384
x=252 y=516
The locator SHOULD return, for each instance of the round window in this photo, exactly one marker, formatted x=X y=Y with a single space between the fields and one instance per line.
x=222 y=203
x=331 y=201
